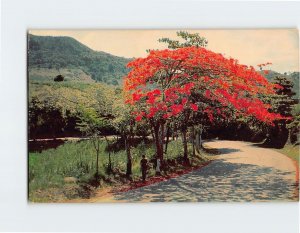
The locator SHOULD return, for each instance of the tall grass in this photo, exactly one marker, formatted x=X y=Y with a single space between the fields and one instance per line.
x=77 y=159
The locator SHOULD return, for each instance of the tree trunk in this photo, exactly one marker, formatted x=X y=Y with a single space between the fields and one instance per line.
x=173 y=132
x=293 y=135
x=109 y=168
x=96 y=143
x=185 y=148
x=109 y=163
x=159 y=149
x=167 y=141
x=129 y=159
x=144 y=138
x=162 y=135
x=198 y=140
x=152 y=134
x=193 y=140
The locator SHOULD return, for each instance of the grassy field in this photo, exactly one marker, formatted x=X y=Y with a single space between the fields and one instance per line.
x=291 y=151
x=50 y=171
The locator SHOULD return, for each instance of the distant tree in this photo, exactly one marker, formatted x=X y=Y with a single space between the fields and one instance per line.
x=90 y=124
x=114 y=82
x=45 y=117
x=284 y=99
x=54 y=117
x=189 y=39
x=111 y=68
x=282 y=103
x=35 y=117
x=57 y=66
x=59 y=78
x=294 y=126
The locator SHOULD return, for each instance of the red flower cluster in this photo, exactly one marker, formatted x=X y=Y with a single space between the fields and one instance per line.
x=176 y=74
x=176 y=109
x=194 y=107
x=264 y=64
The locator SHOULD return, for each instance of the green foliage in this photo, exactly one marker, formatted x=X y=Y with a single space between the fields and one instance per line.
x=70 y=75
x=122 y=118
x=65 y=52
x=189 y=39
x=56 y=107
x=59 y=78
x=175 y=149
x=48 y=169
x=294 y=126
x=282 y=103
x=292 y=77
x=296 y=109
x=89 y=121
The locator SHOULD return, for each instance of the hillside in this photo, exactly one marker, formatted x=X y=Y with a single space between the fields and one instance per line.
x=48 y=56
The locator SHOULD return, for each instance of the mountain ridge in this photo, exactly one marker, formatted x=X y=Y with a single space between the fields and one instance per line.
x=50 y=55
x=65 y=52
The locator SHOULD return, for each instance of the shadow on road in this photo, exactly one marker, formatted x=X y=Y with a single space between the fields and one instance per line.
x=220 y=181
x=227 y=150
x=220 y=151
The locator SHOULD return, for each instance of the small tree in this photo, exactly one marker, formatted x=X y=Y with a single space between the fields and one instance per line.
x=124 y=124
x=90 y=124
x=59 y=78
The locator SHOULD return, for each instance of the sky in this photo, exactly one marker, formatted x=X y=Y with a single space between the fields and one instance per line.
x=250 y=47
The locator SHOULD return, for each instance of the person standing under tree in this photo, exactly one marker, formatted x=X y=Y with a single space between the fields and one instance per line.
x=144 y=166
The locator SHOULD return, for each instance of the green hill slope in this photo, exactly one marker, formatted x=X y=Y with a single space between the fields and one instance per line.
x=67 y=55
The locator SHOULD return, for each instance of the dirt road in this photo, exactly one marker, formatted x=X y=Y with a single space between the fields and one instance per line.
x=242 y=172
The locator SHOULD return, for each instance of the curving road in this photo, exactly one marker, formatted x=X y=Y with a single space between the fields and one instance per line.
x=242 y=172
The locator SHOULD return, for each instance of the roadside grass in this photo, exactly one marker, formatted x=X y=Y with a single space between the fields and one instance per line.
x=291 y=151
x=49 y=169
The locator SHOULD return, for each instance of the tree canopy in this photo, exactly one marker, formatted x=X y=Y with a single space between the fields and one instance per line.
x=164 y=80
x=171 y=85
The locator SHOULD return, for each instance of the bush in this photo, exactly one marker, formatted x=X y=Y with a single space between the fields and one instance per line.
x=59 y=78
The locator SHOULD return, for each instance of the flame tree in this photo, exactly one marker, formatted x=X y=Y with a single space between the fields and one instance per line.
x=193 y=83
